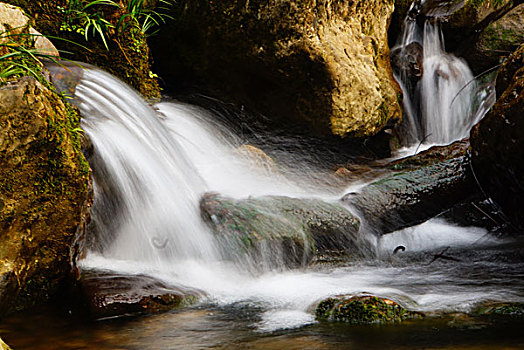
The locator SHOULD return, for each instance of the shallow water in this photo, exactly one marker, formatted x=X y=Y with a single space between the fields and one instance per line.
x=252 y=318
x=151 y=167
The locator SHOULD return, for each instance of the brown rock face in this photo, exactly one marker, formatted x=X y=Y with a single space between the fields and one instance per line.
x=320 y=65
x=43 y=192
x=498 y=142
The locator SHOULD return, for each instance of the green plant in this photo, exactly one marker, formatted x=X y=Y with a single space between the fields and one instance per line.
x=87 y=17
x=143 y=17
x=18 y=60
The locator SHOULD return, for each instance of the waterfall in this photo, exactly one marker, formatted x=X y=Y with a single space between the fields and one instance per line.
x=442 y=99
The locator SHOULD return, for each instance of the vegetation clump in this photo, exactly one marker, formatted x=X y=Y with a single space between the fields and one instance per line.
x=363 y=310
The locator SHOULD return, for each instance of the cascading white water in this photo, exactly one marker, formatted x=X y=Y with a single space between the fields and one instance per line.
x=156 y=189
x=442 y=101
x=151 y=167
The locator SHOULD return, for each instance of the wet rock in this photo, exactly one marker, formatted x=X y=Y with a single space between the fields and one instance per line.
x=323 y=66
x=277 y=231
x=506 y=309
x=424 y=186
x=363 y=310
x=110 y=295
x=498 y=142
x=408 y=61
x=44 y=186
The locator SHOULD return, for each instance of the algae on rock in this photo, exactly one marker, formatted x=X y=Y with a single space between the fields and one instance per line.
x=44 y=186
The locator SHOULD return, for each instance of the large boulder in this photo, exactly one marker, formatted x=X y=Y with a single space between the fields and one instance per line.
x=44 y=192
x=498 y=141
x=419 y=188
x=323 y=66
x=275 y=231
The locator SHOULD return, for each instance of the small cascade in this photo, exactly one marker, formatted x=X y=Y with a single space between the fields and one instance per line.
x=146 y=190
x=442 y=100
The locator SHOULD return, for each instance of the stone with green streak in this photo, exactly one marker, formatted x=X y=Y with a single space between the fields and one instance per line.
x=276 y=230
x=420 y=188
x=363 y=310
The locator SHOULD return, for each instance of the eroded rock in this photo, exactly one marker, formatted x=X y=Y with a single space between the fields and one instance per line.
x=422 y=187
x=320 y=65
x=276 y=230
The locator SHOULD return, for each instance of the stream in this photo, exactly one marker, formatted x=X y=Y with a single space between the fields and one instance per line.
x=152 y=164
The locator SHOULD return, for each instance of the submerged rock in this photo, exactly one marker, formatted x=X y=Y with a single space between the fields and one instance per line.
x=275 y=231
x=109 y=294
x=498 y=142
x=363 y=310
x=508 y=309
x=423 y=186
x=44 y=193
x=320 y=65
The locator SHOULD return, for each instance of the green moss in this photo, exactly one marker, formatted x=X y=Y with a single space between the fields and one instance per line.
x=363 y=310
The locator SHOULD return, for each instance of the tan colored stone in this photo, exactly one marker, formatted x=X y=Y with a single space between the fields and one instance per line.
x=257 y=157
x=43 y=193
x=323 y=65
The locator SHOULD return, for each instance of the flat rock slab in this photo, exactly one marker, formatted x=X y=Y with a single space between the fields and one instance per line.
x=109 y=294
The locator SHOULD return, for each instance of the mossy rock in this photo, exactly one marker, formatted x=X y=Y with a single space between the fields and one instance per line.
x=44 y=192
x=514 y=310
x=363 y=310
x=277 y=230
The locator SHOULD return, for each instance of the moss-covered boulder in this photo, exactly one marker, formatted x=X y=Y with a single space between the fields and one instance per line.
x=319 y=65
x=498 y=142
x=363 y=310
x=44 y=187
x=276 y=231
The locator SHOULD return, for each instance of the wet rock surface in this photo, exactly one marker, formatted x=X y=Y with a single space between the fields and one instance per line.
x=424 y=186
x=288 y=230
x=110 y=295
x=322 y=66
x=498 y=142
x=363 y=310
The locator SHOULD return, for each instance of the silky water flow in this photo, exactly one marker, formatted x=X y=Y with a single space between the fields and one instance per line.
x=151 y=166
x=442 y=99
